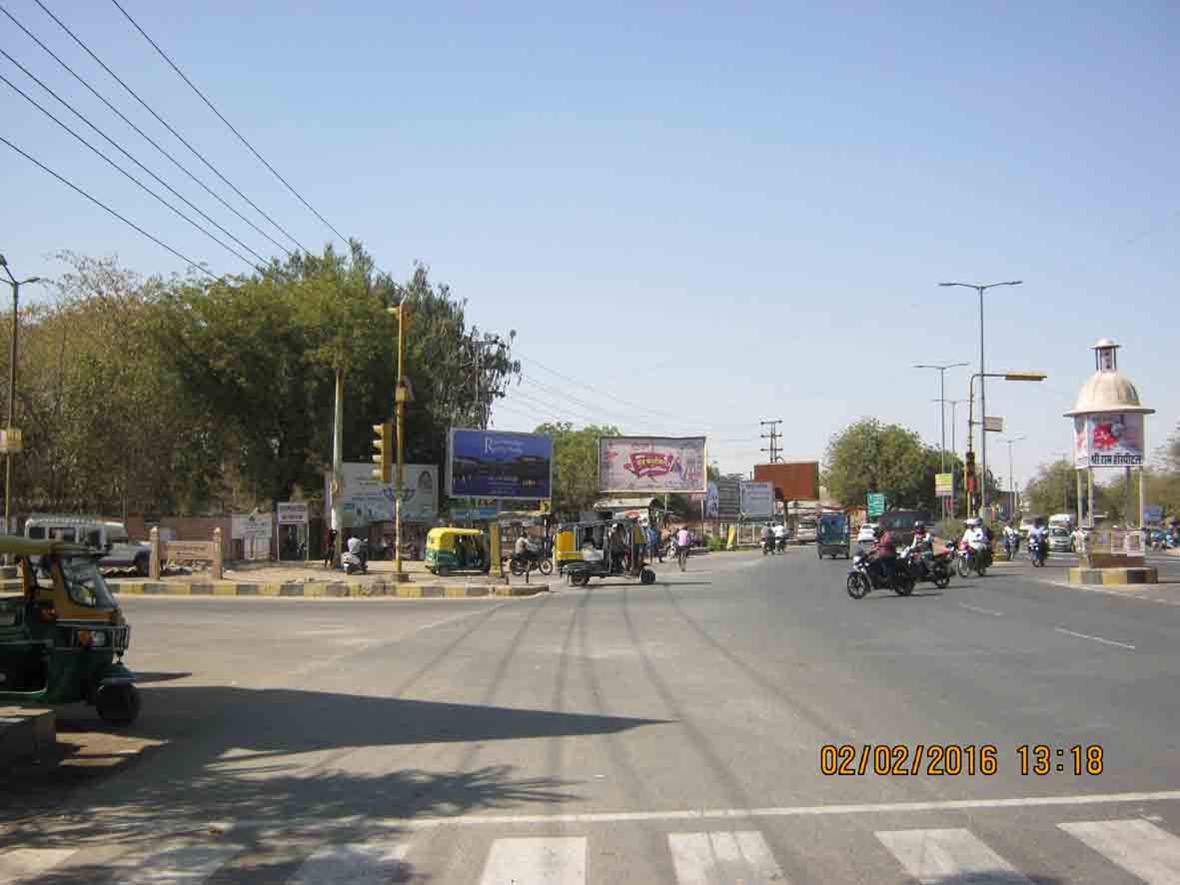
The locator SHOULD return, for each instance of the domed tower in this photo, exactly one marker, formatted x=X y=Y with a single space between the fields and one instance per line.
x=1109 y=433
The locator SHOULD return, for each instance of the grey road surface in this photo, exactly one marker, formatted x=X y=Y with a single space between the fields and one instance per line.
x=622 y=733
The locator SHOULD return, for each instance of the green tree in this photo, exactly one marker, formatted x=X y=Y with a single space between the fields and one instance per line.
x=1054 y=486
x=869 y=456
x=575 y=464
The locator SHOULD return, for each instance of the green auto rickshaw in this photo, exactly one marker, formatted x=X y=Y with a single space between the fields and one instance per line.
x=457 y=550
x=63 y=636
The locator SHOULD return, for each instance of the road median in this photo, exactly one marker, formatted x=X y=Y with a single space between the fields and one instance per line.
x=323 y=589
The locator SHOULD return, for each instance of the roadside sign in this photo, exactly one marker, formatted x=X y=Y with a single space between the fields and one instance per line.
x=944 y=485
x=1153 y=513
x=10 y=441
x=291 y=512
x=876 y=504
x=993 y=425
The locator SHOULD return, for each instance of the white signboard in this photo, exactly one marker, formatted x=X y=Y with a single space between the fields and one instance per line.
x=757 y=500
x=255 y=531
x=993 y=425
x=1111 y=439
x=1133 y=544
x=364 y=500
x=651 y=464
x=291 y=512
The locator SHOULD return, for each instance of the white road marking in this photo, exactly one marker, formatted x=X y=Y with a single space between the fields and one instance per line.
x=22 y=862
x=594 y=817
x=353 y=865
x=547 y=860
x=1095 y=638
x=182 y=866
x=932 y=856
x=1137 y=846
x=982 y=611
x=708 y=858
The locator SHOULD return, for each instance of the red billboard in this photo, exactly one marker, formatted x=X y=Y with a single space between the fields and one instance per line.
x=793 y=480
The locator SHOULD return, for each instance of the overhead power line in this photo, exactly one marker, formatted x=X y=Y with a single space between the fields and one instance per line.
x=107 y=208
x=167 y=125
x=232 y=129
x=120 y=169
x=120 y=148
x=144 y=135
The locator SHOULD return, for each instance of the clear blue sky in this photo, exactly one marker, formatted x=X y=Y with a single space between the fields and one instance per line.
x=724 y=215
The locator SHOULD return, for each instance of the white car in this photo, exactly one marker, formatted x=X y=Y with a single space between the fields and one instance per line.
x=109 y=538
x=867 y=533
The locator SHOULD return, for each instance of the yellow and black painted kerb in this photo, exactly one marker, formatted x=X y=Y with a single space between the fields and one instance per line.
x=1113 y=577
x=325 y=589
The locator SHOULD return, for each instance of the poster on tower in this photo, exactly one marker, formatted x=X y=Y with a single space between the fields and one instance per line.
x=651 y=464
x=1108 y=439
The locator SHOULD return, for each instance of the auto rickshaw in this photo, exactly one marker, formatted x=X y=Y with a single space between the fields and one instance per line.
x=457 y=550
x=832 y=535
x=63 y=636
x=602 y=549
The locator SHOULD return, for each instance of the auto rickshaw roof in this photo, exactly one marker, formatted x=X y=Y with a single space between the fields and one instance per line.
x=443 y=530
x=15 y=545
x=594 y=523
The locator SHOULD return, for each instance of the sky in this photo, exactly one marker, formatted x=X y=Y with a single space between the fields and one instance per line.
x=694 y=219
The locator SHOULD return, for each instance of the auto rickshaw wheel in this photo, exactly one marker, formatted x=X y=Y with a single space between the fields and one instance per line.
x=118 y=704
x=546 y=566
x=579 y=579
x=647 y=576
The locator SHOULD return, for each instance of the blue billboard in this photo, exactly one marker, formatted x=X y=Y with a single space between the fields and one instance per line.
x=499 y=464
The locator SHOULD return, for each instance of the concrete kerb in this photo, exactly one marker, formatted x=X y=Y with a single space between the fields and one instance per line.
x=26 y=733
x=326 y=589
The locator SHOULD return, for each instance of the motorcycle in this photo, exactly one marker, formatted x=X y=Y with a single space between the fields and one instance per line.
x=862 y=578
x=768 y=547
x=935 y=568
x=780 y=544
x=1037 y=552
x=968 y=559
x=353 y=564
x=530 y=559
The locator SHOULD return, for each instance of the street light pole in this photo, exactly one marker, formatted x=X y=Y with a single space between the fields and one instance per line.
x=15 y=284
x=981 y=288
x=954 y=404
x=971 y=422
x=941 y=369
x=1011 y=475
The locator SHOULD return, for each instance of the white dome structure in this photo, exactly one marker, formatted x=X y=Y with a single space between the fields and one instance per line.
x=1107 y=390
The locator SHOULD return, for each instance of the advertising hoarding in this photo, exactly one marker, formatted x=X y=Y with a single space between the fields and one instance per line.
x=651 y=464
x=291 y=512
x=1108 y=439
x=793 y=480
x=499 y=464
x=364 y=500
x=712 y=502
x=757 y=500
x=729 y=498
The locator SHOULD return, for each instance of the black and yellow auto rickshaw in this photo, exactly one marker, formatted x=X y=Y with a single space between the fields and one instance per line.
x=602 y=549
x=63 y=636
x=457 y=550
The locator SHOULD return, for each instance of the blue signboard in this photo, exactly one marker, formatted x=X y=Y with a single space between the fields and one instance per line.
x=876 y=504
x=1153 y=514
x=498 y=464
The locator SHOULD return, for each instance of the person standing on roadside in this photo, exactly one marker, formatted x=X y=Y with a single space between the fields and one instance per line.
x=329 y=547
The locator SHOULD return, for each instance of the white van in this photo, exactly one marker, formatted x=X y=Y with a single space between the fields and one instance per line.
x=111 y=538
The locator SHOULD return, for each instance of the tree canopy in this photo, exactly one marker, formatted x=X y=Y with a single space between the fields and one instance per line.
x=575 y=464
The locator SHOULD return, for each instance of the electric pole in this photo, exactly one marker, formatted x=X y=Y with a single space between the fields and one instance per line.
x=774 y=437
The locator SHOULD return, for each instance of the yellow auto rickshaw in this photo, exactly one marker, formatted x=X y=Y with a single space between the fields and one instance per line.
x=457 y=550
x=600 y=549
x=63 y=636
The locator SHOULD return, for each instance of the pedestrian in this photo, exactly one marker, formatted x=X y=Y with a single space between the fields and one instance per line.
x=329 y=548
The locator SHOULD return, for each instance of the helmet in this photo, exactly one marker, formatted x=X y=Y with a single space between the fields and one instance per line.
x=919 y=525
x=877 y=531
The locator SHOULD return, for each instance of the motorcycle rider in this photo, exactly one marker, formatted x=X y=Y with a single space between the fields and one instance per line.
x=974 y=538
x=780 y=536
x=1010 y=536
x=1038 y=540
x=883 y=556
x=767 y=534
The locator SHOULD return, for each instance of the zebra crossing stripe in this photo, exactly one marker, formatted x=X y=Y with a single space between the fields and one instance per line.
x=23 y=862
x=932 y=856
x=556 y=860
x=180 y=866
x=707 y=858
x=1138 y=846
x=353 y=865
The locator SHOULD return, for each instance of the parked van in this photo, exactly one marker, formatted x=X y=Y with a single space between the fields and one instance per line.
x=111 y=538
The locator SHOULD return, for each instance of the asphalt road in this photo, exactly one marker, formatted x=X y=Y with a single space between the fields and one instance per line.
x=622 y=733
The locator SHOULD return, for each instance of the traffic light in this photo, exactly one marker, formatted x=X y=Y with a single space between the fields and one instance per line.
x=970 y=471
x=383 y=443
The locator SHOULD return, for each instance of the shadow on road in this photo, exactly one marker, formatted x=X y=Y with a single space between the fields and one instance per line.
x=880 y=595
x=230 y=752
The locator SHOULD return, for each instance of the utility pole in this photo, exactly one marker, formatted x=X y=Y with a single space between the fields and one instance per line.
x=954 y=404
x=9 y=435
x=402 y=396
x=941 y=369
x=773 y=436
